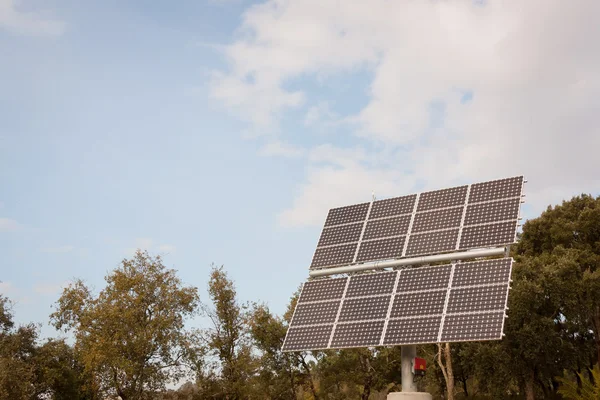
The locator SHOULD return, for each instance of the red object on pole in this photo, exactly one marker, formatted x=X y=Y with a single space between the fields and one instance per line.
x=419 y=366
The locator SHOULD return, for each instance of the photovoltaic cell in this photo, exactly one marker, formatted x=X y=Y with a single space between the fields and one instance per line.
x=386 y=227
x=364 y=308
x=371 y=284
x=432 y=242
x=418 y=303
x=482 y=272
x=467 y=327
x=424 y=278
x=394 y=206
x=438 y=219
x=500 y=210
x=498 y=189
x=307 y=338
x=341 y=234
x=442 y=198
x=316 y=313
x=323 y=289
x=347 y=214
x=335 y=255
x=412 y=331
x=482 y=298
x=357 y=334
x=381 y=249
x=488 y=235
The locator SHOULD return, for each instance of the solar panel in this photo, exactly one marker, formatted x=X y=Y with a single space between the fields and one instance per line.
x=322 y=289
x=371 y=284
x=316 y=313
x=334 y=255
x=437 y=219
x=418 y=303
x=494 y=190
x=452 y=302
x=482 y=272
x=340 y=234
x=442 y=198
x=432 y=242
x=412 y=331
x=468 y=327
x=483 y=298
x=493 y=211
x=381 y=249
x=307 y=338
x=488 y=235
x=424 y=278
x=364 y=308
x=460 y=218
x=357 y=334
x=347 y=214
x=393 y=226
x=393 y=206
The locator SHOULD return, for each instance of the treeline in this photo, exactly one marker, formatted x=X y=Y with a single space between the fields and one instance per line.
x=130 y=340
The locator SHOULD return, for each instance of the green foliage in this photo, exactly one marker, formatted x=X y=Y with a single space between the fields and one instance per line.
x=130 y=338
x=589 y=389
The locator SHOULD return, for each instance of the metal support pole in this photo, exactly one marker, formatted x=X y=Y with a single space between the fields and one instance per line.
x=408 y=261
x=408 y=354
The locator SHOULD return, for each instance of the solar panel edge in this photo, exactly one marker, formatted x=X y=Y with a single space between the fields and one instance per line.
x=338 y=312
x=293 y=313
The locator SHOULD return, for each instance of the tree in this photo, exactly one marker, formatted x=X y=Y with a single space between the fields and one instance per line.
x=227 y=341
x=588 y=389
x=130 y=337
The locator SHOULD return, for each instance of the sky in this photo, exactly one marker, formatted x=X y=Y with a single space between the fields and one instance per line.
x=222 y=131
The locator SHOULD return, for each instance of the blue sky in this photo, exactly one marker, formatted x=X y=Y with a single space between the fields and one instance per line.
x=222 y=131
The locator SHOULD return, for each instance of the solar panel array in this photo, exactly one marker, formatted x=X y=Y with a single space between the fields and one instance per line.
x=448 y=303
x=461 y=218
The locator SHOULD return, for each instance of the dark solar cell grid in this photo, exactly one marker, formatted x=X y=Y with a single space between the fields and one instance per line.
x=418 y=304
x=466 y=327
x=387 y=227
x=482 y=272
x=335 y=255
x=394 y=206
x=381 y=249
x=442 y=198
x=315 y=313
x=499 y=189
x=371 y=284
x=488 y=235
x=438 y=219
x=323 y=289
x=412 y=330
x=341 y=234
x=481 y=298
x=357 y=334
x=500 y=210
x=344 y=215
x=364 y=308
x=307 y=338
x=424 y=278
x=432 y=242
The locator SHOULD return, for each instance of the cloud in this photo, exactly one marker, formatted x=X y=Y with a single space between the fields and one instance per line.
x=281 y=149
x=535 y=93
x=9 y=225
x=7 y=288
x=29 y=23
x=58 y=249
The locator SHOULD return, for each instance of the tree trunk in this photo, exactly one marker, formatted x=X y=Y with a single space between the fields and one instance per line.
x=313 y=389
x=464 y=385
x=530 y=386
x=446 y=368
x=368 y=377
